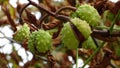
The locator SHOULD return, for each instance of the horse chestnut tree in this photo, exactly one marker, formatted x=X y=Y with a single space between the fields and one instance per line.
x=54 y=32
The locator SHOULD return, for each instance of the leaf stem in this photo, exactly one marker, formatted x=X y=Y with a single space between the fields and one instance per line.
x=113 y=22
x=77 y=58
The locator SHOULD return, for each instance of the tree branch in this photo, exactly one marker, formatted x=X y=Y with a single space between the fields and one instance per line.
x=60 y=17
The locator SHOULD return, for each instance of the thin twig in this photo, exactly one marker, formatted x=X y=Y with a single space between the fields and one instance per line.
x=41 y=19
x=20 y=14
x=66 y=7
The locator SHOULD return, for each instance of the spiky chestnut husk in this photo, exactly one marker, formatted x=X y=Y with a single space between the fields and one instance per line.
x=40 y=41
x=82 y=26
x=22 y=34
x=89 y=44
x=88 y=13
x=68 y=38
